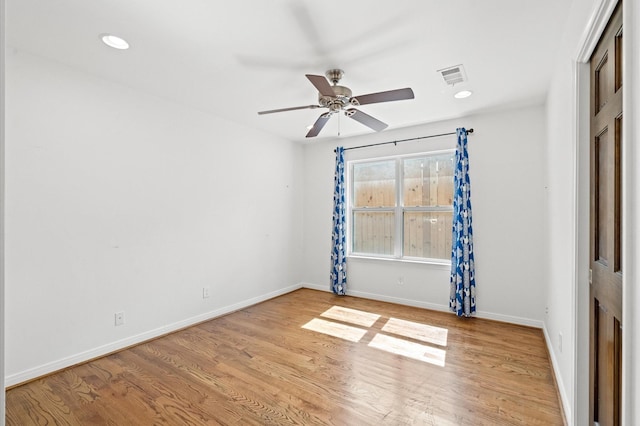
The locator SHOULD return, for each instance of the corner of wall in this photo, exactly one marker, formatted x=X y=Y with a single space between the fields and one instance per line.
x=2 y=168
x=565 y=401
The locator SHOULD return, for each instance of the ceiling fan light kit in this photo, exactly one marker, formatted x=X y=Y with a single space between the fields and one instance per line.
x=337 y=98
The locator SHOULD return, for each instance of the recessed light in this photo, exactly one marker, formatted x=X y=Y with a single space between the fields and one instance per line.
x=114 y=41
x=463 y=94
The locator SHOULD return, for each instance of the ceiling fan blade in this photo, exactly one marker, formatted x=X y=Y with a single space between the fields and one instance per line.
x=319 y=124
x=271 y=111
x=322 y=84
x=388 y=96
x=309 y=27
x=366 y=119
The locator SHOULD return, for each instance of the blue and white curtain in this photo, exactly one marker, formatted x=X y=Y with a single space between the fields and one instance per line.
x=338 y=239
x=463 y=283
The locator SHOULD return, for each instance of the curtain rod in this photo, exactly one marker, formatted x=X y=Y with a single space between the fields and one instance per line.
x=404 y=140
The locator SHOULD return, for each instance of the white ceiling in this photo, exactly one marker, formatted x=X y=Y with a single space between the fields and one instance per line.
x=235 y=58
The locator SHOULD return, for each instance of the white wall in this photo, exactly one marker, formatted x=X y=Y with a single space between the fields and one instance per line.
x=567 y=217
x=560 y=230
x=567 y=158
x=2 y=299
x=507 y=169
x=118 y=201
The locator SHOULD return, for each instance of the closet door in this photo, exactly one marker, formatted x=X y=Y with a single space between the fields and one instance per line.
x=606 y=222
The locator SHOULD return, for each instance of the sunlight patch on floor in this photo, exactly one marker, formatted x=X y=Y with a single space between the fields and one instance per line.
x=353 y=316
x=346 y=332
x=423 y=332
x=409 y=349
x=429 y=334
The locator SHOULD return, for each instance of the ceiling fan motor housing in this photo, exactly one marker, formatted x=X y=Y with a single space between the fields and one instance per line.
x=337 y=102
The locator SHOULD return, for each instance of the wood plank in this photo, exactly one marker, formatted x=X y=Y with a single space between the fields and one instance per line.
x=260 y=366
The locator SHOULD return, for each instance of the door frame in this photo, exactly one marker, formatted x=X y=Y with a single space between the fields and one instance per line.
x=580 y=213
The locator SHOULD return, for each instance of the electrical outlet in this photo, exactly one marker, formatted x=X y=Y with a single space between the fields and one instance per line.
x=205 y=292
x=400 y=280
x=560 y=342
x=119 y=318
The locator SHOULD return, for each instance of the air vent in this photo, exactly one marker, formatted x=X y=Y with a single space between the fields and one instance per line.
x=453 y=75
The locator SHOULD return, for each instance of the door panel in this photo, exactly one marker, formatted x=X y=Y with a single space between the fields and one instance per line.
x=603 y=190
x=601 y=81
x=617 y=225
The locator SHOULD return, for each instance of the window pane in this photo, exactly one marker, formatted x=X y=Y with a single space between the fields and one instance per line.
x=374 y=184
x=373 y=232
x=428 y=234
x=428 y=181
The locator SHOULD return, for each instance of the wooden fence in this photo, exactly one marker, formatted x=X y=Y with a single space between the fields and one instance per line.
x=426 y=234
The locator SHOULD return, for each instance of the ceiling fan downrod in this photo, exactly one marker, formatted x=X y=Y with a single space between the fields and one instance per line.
x=334 y=75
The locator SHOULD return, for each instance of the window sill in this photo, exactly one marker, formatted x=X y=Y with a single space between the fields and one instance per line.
x=440 y=264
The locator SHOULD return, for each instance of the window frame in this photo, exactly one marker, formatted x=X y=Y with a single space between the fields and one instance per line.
x=399 y=209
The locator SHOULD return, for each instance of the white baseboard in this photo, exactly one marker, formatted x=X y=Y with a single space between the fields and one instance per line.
x=383 y=298
x=510 y=319
x=326 y=288
x=564 y=399
x=48 y=368
x=432 y=306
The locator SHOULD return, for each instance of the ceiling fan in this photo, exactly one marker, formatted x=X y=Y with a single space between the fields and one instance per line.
x=338 y=98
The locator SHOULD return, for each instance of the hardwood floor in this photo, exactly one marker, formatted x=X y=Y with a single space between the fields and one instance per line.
x=274 y=364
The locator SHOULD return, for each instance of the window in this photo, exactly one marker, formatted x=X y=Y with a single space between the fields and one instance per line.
x=401 y=207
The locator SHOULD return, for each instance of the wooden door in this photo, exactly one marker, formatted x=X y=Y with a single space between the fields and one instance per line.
x=606 y=225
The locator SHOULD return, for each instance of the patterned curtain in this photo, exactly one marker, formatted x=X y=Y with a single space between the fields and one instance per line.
x=338 y=238
x=463 y=283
